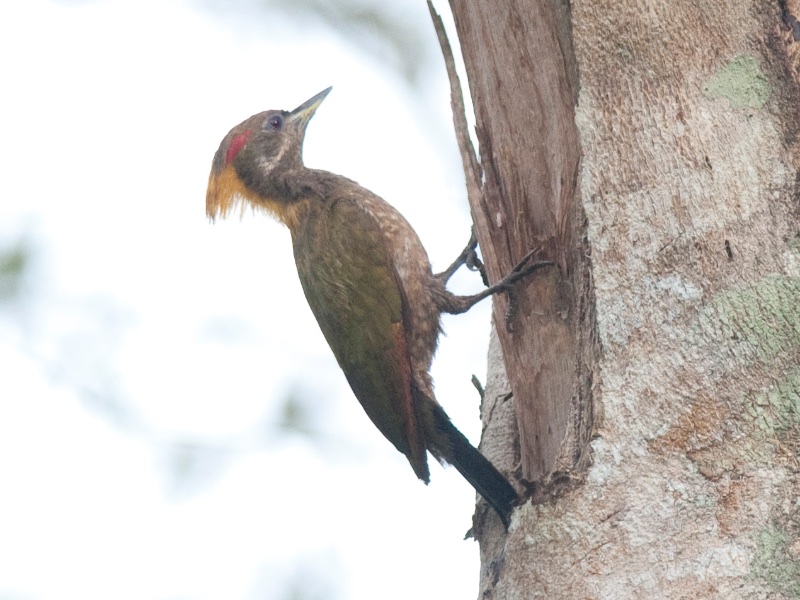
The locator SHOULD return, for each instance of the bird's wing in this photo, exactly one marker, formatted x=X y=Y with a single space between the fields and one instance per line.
x=353 y=289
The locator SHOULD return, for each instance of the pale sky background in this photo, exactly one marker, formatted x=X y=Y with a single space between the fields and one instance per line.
x=147 y=361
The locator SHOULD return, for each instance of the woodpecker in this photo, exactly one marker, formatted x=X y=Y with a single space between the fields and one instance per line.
x=368 y=281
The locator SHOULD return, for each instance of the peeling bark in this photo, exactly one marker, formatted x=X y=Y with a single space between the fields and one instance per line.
x=519 y=60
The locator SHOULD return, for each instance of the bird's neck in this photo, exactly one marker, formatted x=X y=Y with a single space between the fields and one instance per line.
x=290 y=194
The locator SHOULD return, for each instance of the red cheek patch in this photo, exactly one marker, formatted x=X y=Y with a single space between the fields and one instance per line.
x=236 y=145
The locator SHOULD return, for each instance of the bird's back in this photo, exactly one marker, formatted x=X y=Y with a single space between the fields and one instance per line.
x=360 y=267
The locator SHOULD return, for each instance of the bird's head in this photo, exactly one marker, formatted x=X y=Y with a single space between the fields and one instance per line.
x=251 y=159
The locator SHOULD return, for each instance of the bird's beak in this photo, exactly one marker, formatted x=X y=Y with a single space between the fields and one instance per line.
x=303 y=113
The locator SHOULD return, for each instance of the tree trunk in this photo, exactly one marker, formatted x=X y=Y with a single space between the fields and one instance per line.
x=659 y=138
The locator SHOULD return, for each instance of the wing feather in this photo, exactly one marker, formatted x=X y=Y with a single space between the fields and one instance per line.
x=353 y=289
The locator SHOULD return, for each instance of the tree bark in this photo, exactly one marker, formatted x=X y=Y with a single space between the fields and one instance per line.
x=521 y=70
x=687 y=200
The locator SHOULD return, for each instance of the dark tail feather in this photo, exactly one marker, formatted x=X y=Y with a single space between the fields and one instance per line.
x=476 y=469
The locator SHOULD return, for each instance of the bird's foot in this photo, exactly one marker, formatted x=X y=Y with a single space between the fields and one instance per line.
x=469 y=257
x=459 y=304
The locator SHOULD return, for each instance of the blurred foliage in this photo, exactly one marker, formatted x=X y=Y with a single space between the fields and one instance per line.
x=15 y=595
x=296 y=416
x=193 y=465
x=312 y=577
x=377 y=29
x=381 y=30
x=190 y=465
x=304 y=589
x=14 y=263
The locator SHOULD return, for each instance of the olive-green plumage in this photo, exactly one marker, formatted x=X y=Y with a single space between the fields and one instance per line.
x=368 y=281
x=352 y=287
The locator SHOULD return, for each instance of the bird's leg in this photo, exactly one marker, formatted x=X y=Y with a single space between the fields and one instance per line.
x=458 y=304
x=467 y=257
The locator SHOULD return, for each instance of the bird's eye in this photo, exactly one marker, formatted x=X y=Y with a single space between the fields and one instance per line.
x=275 y=122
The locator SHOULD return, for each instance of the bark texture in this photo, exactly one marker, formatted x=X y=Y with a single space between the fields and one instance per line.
x=521 y=69
x=689 y=115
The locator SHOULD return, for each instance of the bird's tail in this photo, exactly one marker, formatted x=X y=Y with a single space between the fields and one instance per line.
x=475 y=467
